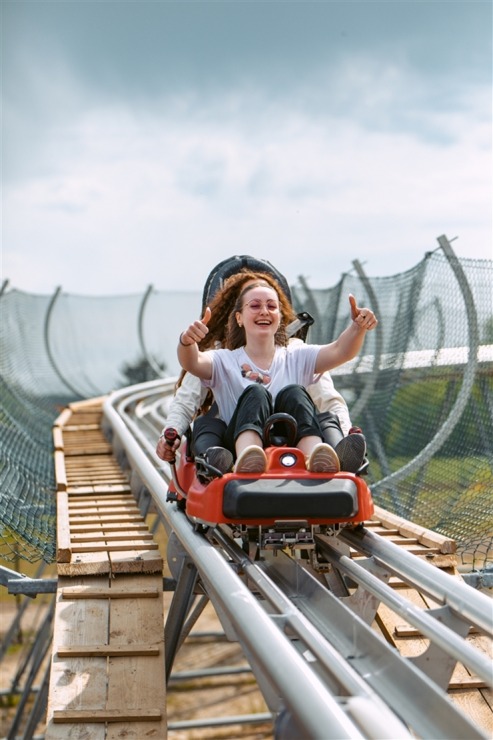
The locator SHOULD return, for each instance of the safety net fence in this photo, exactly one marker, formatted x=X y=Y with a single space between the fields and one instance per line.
x=421 y=389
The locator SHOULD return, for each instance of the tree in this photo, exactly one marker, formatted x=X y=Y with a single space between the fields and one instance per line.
x=141 y=371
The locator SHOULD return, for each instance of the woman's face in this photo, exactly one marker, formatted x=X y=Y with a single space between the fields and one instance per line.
x=260 y=314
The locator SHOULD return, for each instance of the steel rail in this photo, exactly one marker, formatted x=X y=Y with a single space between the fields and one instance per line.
x=350 y=650
x=464 y=601
x=449 y=641
x=316 y=709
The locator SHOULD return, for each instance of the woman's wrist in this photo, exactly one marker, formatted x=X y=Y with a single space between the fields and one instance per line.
x=185 y=344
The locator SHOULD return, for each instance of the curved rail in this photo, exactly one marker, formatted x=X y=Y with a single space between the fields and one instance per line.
x=349 y=683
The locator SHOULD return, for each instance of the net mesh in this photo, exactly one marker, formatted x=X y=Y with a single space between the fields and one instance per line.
x=422 y=389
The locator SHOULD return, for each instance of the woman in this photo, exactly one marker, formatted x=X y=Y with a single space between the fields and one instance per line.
x=192 y=402
x=259 y=373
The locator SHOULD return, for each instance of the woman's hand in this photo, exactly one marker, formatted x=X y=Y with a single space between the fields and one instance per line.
x=196 y=331
x=189 y=356
x=364 y=318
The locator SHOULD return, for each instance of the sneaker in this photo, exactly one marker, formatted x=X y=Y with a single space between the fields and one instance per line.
x=214 y=463
x=323 y=459
x=220 y=458
x=251 y=460
x=351 y=451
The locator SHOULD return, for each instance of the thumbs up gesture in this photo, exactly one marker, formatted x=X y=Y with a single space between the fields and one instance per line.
x=364 y=318
x=196 y=331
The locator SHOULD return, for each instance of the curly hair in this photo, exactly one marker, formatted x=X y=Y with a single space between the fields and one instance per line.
x=224 y=305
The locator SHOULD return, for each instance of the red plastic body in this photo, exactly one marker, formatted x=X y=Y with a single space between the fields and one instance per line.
x=204 y=503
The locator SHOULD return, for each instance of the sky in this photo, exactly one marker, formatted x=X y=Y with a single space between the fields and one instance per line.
x=144 y=142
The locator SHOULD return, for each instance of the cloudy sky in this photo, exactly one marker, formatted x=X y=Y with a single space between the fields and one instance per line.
x=143 y=142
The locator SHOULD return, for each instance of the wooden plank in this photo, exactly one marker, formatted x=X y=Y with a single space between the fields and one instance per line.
x=95 y=449
x=57 y=438
x=63 y=418
x=106 y=519
x=91 y=498
x=78 y=682
x=95 y=478
x=85 y=564
x=136 y=562
x=107 y=490
x=103 y=528
x=105 y=507
x=113 y=545
x=96 y=461
x=111 y=498
x=137 y=681
x=107 y=715
x=469 y=682
x=81 y=427
x=113 y=536
x=64 y=551
x=108 y=592
x=408 y=529
x=106 y=487
x=114 y=651
x=60 y=474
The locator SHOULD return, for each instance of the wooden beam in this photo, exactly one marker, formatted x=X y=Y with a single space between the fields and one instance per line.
x=61 y=420
x=106 y=715
x=98 y=651
x=63 y=543
x=60 y=472
x=408 y=529
x=88 y=592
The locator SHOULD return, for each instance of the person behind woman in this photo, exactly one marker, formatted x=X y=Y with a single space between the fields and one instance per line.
x=258 y=373
x=192 y=401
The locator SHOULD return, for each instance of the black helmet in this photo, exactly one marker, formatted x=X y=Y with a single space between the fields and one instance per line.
x=233 y=265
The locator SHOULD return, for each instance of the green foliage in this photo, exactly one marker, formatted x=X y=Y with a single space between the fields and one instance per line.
x=423 y=406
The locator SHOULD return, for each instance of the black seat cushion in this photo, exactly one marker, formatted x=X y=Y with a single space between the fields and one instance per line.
x=288 y=498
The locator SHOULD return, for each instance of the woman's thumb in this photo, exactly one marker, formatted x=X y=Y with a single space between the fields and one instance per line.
x=207 y=316
x=354 y=307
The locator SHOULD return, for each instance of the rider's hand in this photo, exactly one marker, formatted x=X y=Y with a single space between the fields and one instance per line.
x=166 y=451
x=364 y=318
x=196 y=331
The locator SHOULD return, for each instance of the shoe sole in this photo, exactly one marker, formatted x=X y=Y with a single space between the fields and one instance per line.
x=351 y=451
x=252 y=460
x=323 y=459
x=220 y=459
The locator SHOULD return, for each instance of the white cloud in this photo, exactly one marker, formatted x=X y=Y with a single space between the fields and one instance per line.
x=121 y=197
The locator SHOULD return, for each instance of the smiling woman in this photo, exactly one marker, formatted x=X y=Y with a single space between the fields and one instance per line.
x=259 y=374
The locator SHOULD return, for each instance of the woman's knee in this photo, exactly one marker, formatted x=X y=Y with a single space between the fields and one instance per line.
x=291 y=396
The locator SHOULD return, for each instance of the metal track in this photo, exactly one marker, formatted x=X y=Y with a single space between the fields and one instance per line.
x=323 y=671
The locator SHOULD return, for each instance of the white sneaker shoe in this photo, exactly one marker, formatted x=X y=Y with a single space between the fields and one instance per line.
x=252 y=460
x=323 y=459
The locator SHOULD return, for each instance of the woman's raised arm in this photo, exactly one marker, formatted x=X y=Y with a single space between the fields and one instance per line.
x=349 y=343
x=189 y=356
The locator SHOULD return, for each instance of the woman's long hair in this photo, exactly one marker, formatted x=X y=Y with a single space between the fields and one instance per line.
x=223 y=306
